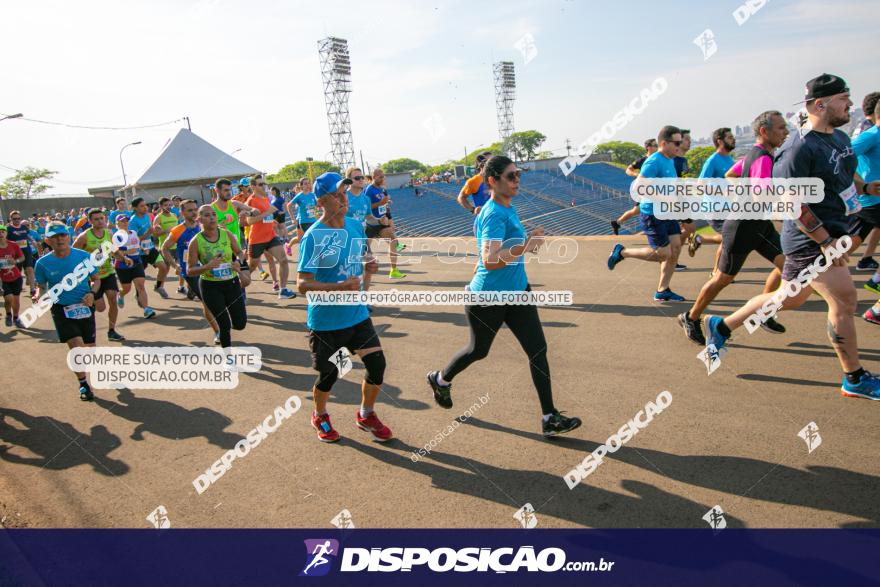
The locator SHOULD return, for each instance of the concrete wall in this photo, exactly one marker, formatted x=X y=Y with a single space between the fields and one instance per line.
x=43 y=205
x=552 y=164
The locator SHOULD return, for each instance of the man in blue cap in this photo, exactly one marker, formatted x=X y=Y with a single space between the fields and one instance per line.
x=72 y=307
x=333 y=258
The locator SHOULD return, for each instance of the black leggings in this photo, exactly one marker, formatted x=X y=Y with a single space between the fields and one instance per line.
x=225 y=301
x=523 y=321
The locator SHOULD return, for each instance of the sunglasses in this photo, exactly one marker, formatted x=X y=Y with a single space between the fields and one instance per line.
x=358 y=177
x=262 y=185
x=512 y=176
x=676 y=143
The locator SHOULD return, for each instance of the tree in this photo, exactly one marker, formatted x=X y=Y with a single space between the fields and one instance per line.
x=27 y=182
x=525 y=144
x=403 y=165
x=300 y=169
x=695 y=158
x=622 y=152
x=544 y=155
x=495 y=147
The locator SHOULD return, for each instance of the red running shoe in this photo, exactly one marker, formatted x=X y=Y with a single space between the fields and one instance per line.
x=322 y=424
x=371 y=423
x=871 y=316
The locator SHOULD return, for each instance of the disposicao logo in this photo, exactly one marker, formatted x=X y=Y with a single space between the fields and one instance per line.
x=320 y=553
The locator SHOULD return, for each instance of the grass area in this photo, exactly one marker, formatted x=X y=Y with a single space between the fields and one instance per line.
x=706 y=230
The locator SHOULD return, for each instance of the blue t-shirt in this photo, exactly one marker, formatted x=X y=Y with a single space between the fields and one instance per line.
x=655 y=166
x=306 y=207
x=829 y=157
x=376 y=194
x=139 y=224
x=333 y=255
x=116 y=213
x=36 y=238
x=867 y=148
x=358 y=207
x=278 y=203
x=51 y=270
x=716 y=165
x=498 y=223
x=176 y=211
x=481 y=196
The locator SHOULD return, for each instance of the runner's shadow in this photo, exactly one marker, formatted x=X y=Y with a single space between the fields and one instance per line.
x=824 y=488
x=59 y=445
x=348 y=392
x=786 y=380
x=169 y=420
x=585 y=505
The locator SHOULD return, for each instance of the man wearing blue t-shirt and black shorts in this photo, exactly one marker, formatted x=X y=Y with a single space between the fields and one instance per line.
x=73 y=311
x=333 y=258
x=664 y=236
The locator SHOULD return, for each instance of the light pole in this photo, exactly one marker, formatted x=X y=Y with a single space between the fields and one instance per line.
x=19 y=115
x=124 y=180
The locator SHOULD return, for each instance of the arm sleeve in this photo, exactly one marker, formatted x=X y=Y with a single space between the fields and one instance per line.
x=175 y=233
x=738 y=167
x=706 y=171
x=306 y=250
x=39 y=273
x=472 y=185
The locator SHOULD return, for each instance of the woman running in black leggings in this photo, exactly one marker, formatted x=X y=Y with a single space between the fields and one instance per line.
x=213 y=256
x=501 y=240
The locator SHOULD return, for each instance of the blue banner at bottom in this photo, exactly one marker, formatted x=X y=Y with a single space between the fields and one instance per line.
x=438 y=557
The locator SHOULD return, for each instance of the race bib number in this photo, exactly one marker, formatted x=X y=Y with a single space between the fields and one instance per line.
x=311 y=212
x=850 y=197
x=268 y=218
x=6 y=263
x=77 y=311
x=22 y=244
x=147 y=244
x=224 y=271
x=381 y=210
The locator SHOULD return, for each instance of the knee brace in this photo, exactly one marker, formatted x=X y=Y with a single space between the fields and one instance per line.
x=326 y=378
x=375 y=365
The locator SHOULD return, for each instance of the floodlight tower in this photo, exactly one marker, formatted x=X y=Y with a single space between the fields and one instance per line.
x=336 y=75
x=505 y=94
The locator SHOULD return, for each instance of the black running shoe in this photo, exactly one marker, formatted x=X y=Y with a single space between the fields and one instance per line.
x=693 y=328
x=113 y=335
x=867 y=264
x=442 y=393
x=558 y=424
x=85 y=394
x=771 y=325
x=615 y=227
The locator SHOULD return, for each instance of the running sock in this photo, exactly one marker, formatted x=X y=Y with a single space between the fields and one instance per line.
x=442 y=381
x=698 y=239
x=547 y=417
x=855 y=376
x=322 y=413
x=724 y=329
x=365 y=411
x=83 y=383
x=876 y=278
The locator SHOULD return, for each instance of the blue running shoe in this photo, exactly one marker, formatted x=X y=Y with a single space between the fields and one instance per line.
x=868 y=387
x=715 y=338
x=615 y=257
x=715 y=344
x=667 y=295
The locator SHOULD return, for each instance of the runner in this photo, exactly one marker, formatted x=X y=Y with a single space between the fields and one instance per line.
x=277 y=201
x=333 y=257
x=866 y=147
x=120 y=209
x=73 y=311
x=379 y=223
x=216 y=259
x=129 y=264
x=179 y=239
x=90 y=241
x=715 y=166
x=142 y=224
x=10 y=275
x=306 y=208
x=633 y=171
x=231 y=210
x=262 y=239
x=18 y=233
x=825 y=153
x=474 y=187
x=502 y=269
x=741 y=237
x=664 y=236
x=164 y=221
x=359 y=207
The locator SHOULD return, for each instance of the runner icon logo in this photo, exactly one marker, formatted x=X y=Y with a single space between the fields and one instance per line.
x=715 y=518
x=320 y=553
x=343 y=520
x=706 y=42
x=159 y=518
x=342 y=360
x=811 y=436
x=526 y=516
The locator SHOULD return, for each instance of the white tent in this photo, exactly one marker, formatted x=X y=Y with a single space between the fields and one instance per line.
x=189 y=158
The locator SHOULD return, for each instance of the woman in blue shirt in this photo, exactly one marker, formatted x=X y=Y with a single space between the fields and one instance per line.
x=502 y=242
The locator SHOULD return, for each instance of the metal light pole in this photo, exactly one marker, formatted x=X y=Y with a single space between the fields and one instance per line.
x=19 y=115
x=124 y=180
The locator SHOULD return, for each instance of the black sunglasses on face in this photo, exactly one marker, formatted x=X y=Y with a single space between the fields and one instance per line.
x=513 y=175
x=676 y=143
x=358 y=177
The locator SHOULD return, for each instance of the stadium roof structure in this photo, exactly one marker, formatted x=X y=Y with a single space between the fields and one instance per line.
x=189 y=157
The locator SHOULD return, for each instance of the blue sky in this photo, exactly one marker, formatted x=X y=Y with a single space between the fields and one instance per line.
x=247 y=73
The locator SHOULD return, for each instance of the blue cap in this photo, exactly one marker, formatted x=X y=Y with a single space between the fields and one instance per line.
x=244 y=181
x=56 y=229
x=328 y=182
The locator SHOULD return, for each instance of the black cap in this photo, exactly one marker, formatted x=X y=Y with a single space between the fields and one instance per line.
x=823 y=86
